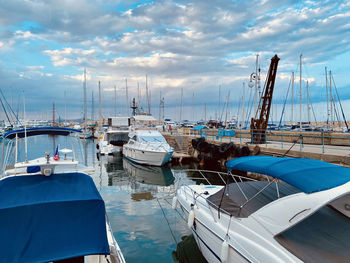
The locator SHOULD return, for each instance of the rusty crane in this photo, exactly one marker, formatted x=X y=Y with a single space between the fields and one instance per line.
x=258 y=124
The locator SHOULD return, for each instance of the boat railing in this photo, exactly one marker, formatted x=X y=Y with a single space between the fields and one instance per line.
x=237 y=179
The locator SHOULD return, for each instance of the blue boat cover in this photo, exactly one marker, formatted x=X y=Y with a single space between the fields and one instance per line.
x=307 y=175
x=39 y=131
x=44 y=219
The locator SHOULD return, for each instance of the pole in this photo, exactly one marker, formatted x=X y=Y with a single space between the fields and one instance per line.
x=181 y=104
x=325 y=69
x=219 y=104
x=243 y=106
x=256 y=84
x=85 y=109
x=25 y=130
x=99 y=103
x=115 y=100
x=65 y=108
x=193 y=106
x=308 y=105
x=300 y=126
x=147 y=96
x=331 y=98
x=127 y=96
x=205 y=113
x=92 y=106
x=292 y=117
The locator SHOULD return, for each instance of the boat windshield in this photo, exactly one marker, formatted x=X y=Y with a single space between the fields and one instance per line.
x=152 y=139
x=322 y=237
x=38 y=145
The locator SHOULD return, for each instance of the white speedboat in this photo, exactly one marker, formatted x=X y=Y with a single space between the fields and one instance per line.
x=147 y=147
x=112 y=140
x=51 y=209
x=299 y=214
x=115 y=136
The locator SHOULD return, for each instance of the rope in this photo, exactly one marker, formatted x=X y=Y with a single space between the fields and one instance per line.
x=172 y=234
x=289 y=148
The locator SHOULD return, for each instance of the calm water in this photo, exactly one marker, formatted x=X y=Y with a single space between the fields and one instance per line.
x=138 y=203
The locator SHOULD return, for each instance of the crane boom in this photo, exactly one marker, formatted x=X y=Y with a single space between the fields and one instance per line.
x=258 y=124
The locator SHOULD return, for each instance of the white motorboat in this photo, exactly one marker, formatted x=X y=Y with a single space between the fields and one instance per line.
x=299 y=214
x=51 y=208
x=112 y=140
x=115 y=136
x=147 y=147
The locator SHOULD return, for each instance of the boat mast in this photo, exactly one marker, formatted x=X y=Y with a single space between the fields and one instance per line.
x=325 y=70
x=115 y=100
x=205 y=113
x=243 y=106
x=256 y=84
x=227 y=105
x=92 y=106
x=160 y=104
x=219 y=116
x=181 y=104
x=300 y=126
x=25 y=130
x=331 y=97
x=147 y=96
x=127 y=96
x=85 y=109
x=138 y=94
x=99 y=102
x=65 y=108
x=308 y=105
x=193 y=106
x=292 y=117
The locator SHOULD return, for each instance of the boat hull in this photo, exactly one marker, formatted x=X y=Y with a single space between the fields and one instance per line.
x=247 y=242
x=156 y=158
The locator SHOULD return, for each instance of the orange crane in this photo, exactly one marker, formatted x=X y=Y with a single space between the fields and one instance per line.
x=258 y=124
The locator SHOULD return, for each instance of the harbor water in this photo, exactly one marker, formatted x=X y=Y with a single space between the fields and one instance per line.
x=138 y=202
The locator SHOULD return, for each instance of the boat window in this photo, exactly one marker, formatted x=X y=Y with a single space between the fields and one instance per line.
x=313 y=240
x=152 y=139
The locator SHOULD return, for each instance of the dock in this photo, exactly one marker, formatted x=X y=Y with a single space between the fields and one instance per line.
x=332 y=148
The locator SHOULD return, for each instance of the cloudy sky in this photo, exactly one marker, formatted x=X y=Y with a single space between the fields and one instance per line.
x=199 y=47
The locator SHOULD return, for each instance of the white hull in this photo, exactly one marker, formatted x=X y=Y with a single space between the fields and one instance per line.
x=248 y=241
x=109 y=149
x=156 y=158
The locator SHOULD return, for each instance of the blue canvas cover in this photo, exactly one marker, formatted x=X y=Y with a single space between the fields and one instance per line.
x=307 y=175
x=45 y=219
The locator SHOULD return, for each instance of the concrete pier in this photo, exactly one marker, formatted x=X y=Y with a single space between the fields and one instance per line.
x=337 y=154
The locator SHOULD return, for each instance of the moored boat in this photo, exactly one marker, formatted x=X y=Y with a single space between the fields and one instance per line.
x=298 y=214
x=51 y=210
x=147 y=146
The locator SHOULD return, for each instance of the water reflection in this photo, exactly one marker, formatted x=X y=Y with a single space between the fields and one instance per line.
x=151 y=175
x=187 y=251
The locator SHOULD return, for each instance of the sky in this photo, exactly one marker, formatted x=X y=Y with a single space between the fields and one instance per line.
x=203 y=49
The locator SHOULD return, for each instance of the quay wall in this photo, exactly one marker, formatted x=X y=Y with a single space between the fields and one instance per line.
x=183 y=143
x=317 y=138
